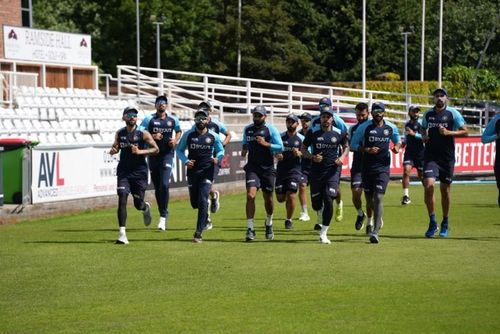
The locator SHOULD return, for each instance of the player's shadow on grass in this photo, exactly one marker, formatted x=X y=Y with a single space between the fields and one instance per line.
x=138 y=229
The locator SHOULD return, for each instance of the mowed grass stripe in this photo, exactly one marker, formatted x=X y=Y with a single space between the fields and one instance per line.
x=65 y=275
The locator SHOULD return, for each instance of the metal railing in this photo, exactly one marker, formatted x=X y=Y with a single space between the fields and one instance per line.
x=232 y=94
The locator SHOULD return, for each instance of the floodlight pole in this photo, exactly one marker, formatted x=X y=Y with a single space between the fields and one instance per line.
x=138 y=40
x=158 y=60
x=363 y=61
x=440 y=59
x=406 y=33
x=422 y=47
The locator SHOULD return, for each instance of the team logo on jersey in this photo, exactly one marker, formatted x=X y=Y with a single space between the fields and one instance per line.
x=156 y=123
x=334 y=139
x=373 y=132
x=136 y=138
x=321 y=138
x=169 y=123
x=386 y=132
x=195 y=139
x=296 y=143
x=208 y=140
x=445 y=118
x=260 y=133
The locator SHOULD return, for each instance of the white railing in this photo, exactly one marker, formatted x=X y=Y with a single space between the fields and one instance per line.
x=9 y=81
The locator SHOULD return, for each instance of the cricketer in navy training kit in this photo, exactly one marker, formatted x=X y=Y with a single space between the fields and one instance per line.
x=261 y=141
x=132 y=170
x=326 y=143
x=305 y=122
x=492 y=134
x=325 y=104
x=356 y=174
x=288 y=169
x=440 y=126
x=373 y=139
x=219 y=128
x=162 y=126
x=414 y=151
x=205 y=150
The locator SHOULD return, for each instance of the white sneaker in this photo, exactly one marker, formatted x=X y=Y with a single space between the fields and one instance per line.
x=304 y=217
x=324 y=240
x=162 y=224
x=146 y=214
x=215 y=203
x=122 y=240
x=208 y=225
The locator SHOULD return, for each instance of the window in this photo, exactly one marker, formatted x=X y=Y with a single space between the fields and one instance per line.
x=27 y=19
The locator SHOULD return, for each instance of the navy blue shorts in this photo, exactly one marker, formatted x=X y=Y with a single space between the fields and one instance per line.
x=328 y=185
x=414 y=161
x=439 y=169
x=288 y=184
x=304 y=178
x=264 y=179
x=375 y=182
x=126 y=185
x=356 y=177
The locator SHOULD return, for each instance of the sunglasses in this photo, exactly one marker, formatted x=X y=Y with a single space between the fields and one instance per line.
x=131 y=115
x=200 y=118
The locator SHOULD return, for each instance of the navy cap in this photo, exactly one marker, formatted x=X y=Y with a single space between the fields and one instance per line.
x=130 y=110
x=205 y=105
x=293 y=117
x=260 y=110
x=328 y=111
x=307 y=116
x=161 y=99
x=325 y=100
x=378 y=107
x=414 y=108
x=201 y=111
x=440 y=90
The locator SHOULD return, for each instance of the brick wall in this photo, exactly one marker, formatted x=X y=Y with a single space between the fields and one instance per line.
x=10 y=14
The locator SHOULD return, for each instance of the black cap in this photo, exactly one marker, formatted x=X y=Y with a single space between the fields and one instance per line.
x=306 y=116
x=440 y=90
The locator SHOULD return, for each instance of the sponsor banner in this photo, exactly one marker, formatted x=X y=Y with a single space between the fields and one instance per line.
x=72 y=173
x=63 y=174
x=46 y=46
x=472 y=157
x=231 y=168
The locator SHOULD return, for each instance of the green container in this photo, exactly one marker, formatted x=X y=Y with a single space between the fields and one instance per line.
x=12 y=175
x=12 y=152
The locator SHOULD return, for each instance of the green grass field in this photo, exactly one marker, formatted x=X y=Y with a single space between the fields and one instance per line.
x=65 y=275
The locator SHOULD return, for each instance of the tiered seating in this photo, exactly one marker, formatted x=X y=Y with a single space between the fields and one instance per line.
x=62 y=116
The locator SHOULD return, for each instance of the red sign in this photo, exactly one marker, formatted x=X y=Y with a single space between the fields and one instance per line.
x=472 y=157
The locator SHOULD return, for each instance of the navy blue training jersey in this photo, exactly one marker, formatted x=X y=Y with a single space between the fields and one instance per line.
x=155 y=124
x=414 y=144
x=201 y=148
x=259 y=155
x=290 y=163
x=131 y=165
x=328 y=143
x=439 y=146
x=357 y=157
x=304 y=162
x=369 y=134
